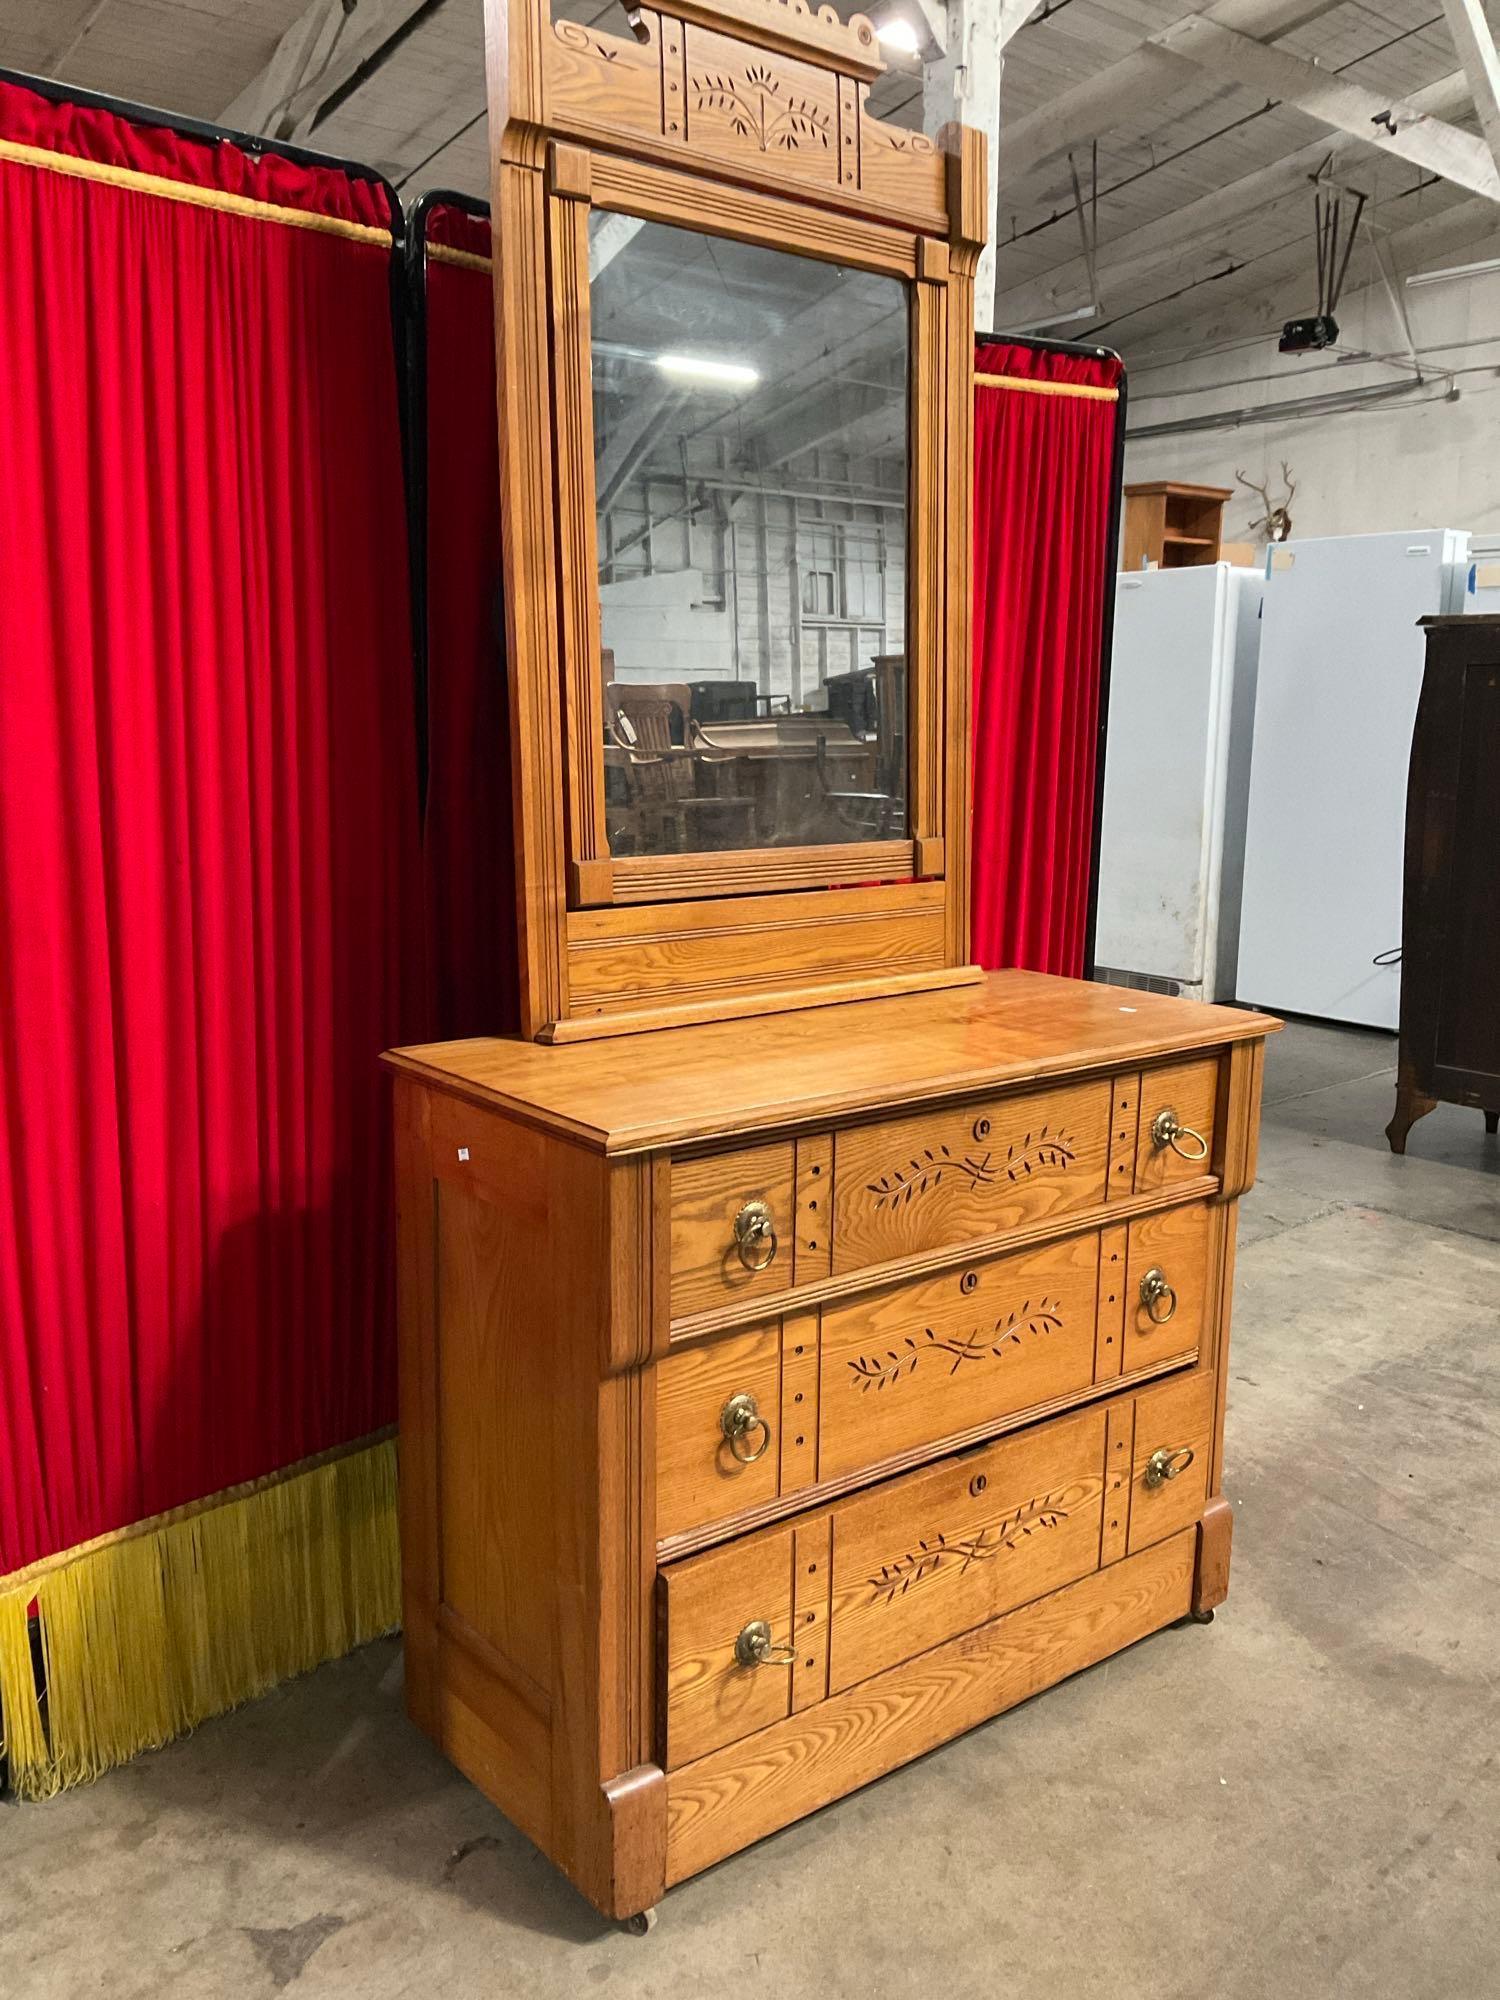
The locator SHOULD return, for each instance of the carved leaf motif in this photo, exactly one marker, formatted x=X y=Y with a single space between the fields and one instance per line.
x=925 y=1170
x=894 y=1579
x=879 y=1371
x=755 y=110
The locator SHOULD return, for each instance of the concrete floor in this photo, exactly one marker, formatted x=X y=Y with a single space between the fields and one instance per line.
x=1302 y=1799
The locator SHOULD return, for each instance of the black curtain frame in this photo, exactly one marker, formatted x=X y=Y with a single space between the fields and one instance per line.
x=414 y=430
x=1089 y=352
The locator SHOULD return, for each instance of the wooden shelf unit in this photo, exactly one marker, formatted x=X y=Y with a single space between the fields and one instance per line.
x=1172 y=525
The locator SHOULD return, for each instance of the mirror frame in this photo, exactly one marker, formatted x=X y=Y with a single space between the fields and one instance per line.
x=583 y=120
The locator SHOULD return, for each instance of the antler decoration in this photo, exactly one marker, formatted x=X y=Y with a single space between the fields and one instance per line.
x=1276 y=522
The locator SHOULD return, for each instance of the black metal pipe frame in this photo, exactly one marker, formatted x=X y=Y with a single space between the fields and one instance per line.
x=1088 y=352
x=414 y=428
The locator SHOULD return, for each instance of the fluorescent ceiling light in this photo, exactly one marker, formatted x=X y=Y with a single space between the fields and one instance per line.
x=732 y=374
x=899 y=33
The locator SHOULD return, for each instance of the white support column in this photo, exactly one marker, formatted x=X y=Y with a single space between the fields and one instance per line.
x=1476 y=51
x=963 y=83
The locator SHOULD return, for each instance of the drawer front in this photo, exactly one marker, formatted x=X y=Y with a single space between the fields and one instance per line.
x=1166 y=1286
x=943 y=1177
x=718 y=1419
x=712 y=1263
x=1190 y=1091
x=940 y=1551
x=1173 y=1439
x=920 y=1362
x=773 y=1623
x=713 y=1696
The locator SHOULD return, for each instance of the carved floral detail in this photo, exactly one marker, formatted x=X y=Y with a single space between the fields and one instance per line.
x=757 y=109
x=924 y=1172
x=894 y=1579
x=876 y=1371
x=900 y=142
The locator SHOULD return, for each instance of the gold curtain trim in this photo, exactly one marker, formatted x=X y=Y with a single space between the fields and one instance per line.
x=447 y=253
x=154 y=1523
x=195 y=197
x=1087 y=390
x=144 y=1634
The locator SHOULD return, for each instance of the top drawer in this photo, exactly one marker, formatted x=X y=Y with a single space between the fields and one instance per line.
x=756 y=1222
x=955 y=1174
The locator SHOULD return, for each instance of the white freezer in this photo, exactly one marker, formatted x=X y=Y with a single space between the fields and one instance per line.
x=1336 y=695
x=1176 y=771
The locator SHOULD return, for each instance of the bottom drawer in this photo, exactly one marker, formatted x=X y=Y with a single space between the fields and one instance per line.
x=773 y=1623
x=781 y=1621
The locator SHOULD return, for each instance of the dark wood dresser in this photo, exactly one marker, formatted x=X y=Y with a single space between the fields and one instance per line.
x=1450 y=928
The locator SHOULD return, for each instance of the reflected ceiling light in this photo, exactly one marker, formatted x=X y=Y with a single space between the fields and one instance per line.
x=697 y=368
x=899 y=33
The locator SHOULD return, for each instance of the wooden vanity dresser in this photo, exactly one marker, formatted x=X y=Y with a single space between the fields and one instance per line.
x=810 y=1346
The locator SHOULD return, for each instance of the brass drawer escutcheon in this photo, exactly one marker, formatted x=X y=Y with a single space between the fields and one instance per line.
x=755 y=1647
x=1166 y=1463
x=1154 y=1292
x=1167 y=1129
x=739 y=1420
x=754 y=1232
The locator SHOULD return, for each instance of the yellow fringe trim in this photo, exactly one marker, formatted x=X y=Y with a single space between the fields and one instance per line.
x=449 y=253
x=149 y=1632
x=1091 y=390
x=136 y=182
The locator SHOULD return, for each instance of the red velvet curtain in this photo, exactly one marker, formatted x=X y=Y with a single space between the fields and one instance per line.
x=470 y=865
x=1043 y=480
x=208 y=870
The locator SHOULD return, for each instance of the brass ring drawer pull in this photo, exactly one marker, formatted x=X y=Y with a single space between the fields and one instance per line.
x=1154 y=1290
x=756 y=1648
x=1167 y=1463
x=1167 y=1129
x=754 y=1232
x=739 y=1420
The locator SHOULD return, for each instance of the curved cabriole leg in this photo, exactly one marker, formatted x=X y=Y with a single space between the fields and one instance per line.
x=1410 y=1106
x=1211 y=1575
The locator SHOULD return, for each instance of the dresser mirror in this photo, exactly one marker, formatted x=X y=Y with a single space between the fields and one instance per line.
x=734 y=349
x=751 y=416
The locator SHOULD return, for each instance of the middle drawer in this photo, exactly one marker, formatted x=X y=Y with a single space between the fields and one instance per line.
x=829 y=1394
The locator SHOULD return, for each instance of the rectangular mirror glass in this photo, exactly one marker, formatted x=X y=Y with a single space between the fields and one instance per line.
x=751 y=415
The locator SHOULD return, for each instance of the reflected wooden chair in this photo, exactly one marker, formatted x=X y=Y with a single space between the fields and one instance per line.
x=651 y=722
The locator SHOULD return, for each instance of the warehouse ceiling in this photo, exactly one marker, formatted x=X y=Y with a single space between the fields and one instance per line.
x=1156 y=181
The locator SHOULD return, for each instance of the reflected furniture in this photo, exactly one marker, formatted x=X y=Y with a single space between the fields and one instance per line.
x=810 y=1346
x=1450 y=922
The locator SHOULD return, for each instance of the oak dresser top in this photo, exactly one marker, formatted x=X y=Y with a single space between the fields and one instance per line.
x=634 y=1093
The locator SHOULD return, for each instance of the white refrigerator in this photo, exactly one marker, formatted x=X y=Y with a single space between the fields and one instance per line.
x=1176 y=776
x=1336 y=695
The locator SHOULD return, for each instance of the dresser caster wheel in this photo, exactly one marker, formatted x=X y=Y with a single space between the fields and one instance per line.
x=642 y=1923
x=1201 y=1617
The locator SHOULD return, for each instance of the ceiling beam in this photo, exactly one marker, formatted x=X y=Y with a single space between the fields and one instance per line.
x=1261 y=308
x=303 y=46
x=1392 y=124
x=1133 y=85
x=1476 y=51
x=1170 y=237
x=833 y=409
x=289 y=111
